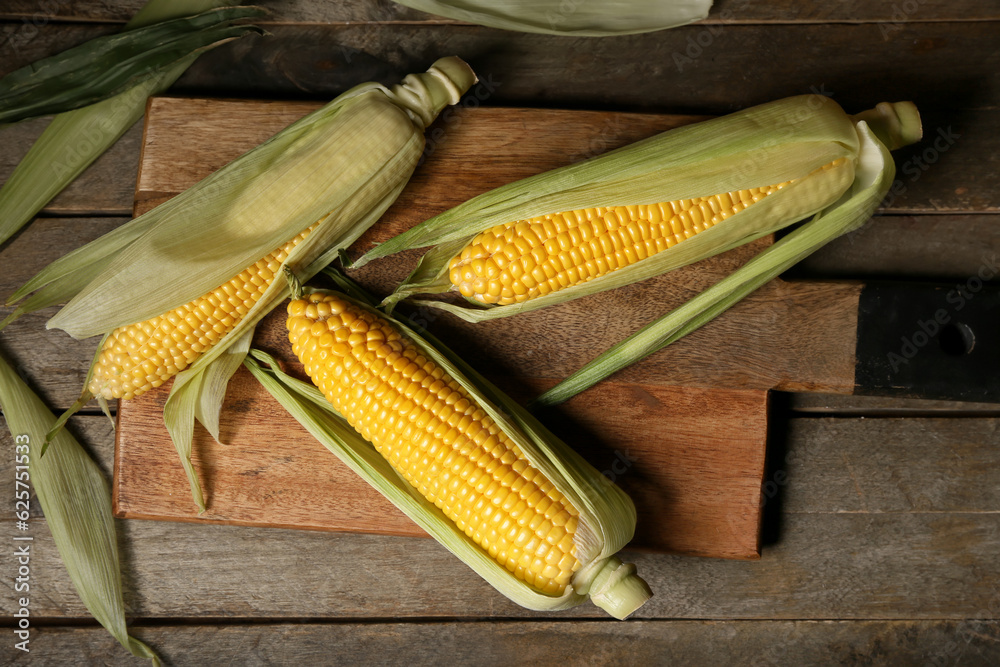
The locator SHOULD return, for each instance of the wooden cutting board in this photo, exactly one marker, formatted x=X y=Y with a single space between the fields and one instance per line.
x=684 y=432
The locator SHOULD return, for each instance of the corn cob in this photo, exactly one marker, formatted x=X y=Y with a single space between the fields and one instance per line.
x=596 y=225
x=142 y=356
x=518 y=261
x=514 y=262
x=432 y=431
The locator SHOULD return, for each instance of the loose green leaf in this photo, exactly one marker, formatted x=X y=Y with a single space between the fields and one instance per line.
x=59 y=155
x=107 y=66
x=570 y=17
x=77 y=504
x=874 y=177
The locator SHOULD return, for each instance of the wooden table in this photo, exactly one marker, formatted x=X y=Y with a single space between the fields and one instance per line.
x=882 y=517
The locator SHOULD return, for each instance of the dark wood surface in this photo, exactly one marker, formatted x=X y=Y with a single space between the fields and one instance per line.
x=882 y=523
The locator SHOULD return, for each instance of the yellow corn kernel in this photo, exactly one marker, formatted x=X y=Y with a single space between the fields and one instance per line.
x=454 y=454
x=139 y=357
x=577 y=246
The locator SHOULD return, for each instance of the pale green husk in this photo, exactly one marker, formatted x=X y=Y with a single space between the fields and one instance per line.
x=77 y=504
x=581 y=18
x=772 y=143
x=607 y=515
x=74 y=139
x=874 y=177
x=343 y=165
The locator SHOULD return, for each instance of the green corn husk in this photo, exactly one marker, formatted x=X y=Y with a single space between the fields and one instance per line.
x=59 y=155
x=772 y=143
x=77 y=504
x=343 y=165
x=570 y=17
x=607 y=515
x=107 y=66
x=875 y=174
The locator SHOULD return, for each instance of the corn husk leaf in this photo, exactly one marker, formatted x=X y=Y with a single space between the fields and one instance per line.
x=107 y=66
x=875 y=175
x=240 y=217
x=77 y=504
x=607 y=514
x=570 y=17
x=58 y=156
x=772 y=143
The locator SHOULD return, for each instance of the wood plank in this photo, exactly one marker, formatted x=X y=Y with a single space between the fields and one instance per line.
x=887 y=466
x=376 y=11
x=882 y=406
x=939 y=248
x=951 y=65
x=970 y=643
x=107 y=187
x=828 y=566
x=939 y=560
x=947 y=65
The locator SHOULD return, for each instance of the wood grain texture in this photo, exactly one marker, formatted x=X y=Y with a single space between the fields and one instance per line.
x=939 y=248
x=841 y=466
x=937 y=65
x=933 y=561
x=973 y=643
x=383 y=11
x=56 y=362
x=894 y=558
